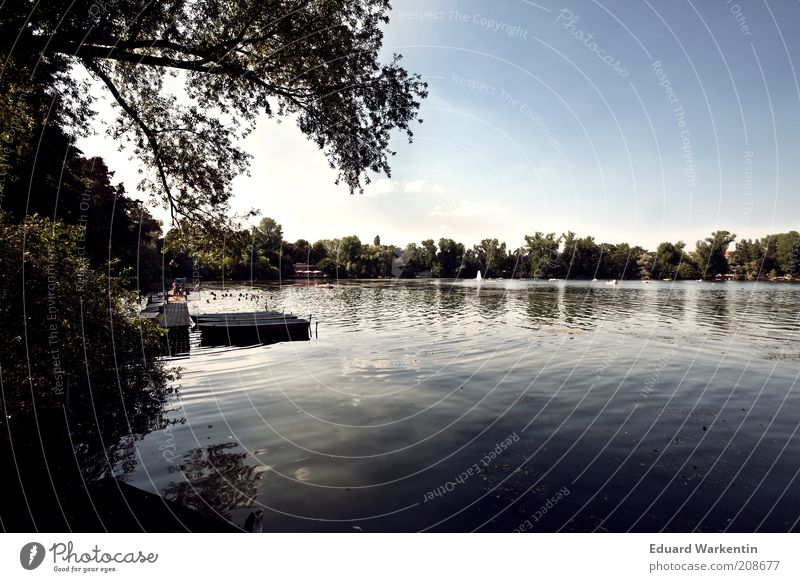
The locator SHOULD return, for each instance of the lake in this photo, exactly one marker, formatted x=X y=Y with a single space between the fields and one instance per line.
x=443 y=405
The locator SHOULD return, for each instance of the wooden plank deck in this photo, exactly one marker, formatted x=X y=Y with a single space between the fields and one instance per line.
x=176 y=315
x=251 y=328
x=153 y=309
x=251 y=317
x=234 y=328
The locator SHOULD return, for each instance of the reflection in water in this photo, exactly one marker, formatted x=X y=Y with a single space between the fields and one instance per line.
x=491 y=301
x=713 y=309
x=177 y=341
x=673 y=306
x=453 y=302
x=657 y=406
x=251 y=338
x=53 y=456
x=215 y=480
x=543 y=306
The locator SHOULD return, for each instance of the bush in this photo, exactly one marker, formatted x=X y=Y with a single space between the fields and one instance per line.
x=74 y=349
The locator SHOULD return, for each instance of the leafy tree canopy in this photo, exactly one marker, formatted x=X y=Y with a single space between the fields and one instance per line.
x=191 y=78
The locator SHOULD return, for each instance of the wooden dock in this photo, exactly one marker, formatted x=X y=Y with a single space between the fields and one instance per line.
x=176 y=315
x=153 y=308
x=234 y=328
x=251 y=328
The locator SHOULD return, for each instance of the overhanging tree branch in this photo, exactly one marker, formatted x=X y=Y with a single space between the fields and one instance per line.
x=174 y=210
x=316 y=61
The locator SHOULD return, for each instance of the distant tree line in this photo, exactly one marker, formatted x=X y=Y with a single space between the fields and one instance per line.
x=260 y=253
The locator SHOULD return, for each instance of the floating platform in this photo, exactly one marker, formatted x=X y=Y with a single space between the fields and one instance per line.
x=234 y=328
x=251 y=328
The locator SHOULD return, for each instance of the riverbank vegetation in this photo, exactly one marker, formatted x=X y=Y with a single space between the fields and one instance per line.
x=260 y=253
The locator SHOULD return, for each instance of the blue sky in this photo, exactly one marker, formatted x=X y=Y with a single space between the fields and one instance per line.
x=629 y=121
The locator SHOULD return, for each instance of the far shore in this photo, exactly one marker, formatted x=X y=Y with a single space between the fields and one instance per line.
x=220 y=283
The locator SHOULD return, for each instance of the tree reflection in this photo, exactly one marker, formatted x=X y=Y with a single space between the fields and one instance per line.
x=542 y=306
x=53 y=455
x=216 y=480
x=492 y=302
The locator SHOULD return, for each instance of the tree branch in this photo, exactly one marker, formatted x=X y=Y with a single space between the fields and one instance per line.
x=88 y=51
x=151 y=138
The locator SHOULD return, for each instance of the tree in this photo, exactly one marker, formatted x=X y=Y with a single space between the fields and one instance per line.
x=318 y=252
x=220 y=247
x=542 y=252
x=769 y=254
x=269 y=235
x=57 y=181
x=80 y=371
x=470 y=265
x=120 y=233
x=567 y=255
x=349 y=256
x=316 y=62
x=625 y=260
x=711 y=253
x=411 y=261
x=302 y=248
x=747 y=258
x=491 y=254
x=580 y=257
x=84 y=315
x=428 y=254
x=268 y=248
x=449 y=259
x=688 y=268
x=786 y=251
x=793 y=262
x=376 y=260
x=668 y=258
x=329 y=267
x=644 y=262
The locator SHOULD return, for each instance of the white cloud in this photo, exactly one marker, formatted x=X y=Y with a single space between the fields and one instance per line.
x=415 y=185
x=422 y=185
x=465 y=208
x=381 y=186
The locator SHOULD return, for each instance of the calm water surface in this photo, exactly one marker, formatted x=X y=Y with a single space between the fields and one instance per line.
x=452 y=406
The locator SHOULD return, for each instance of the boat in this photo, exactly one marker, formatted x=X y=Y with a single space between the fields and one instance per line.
x=552 y=279
x=478 y=276
x=612 y=282
x=594 y=280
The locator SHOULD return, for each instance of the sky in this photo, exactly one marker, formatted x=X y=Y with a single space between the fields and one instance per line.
x=630 y=121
